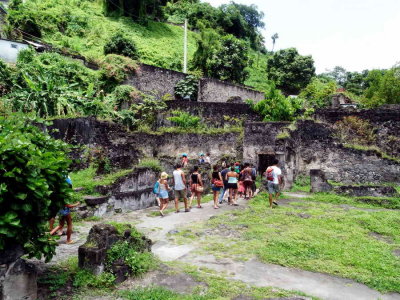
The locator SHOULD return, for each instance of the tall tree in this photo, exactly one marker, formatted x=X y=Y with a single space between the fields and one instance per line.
x=290 y=71
x=274 y=37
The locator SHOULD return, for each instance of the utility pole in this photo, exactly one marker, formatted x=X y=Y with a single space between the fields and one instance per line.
x=185 y=48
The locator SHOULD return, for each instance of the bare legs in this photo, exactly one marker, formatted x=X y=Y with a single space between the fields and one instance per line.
x=67 y=218
x=216 y=199
x=185 y=200
x=233 y=195
x=163 y=205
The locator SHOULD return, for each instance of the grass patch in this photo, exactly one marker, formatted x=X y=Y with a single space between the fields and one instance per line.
x=301 y=184
x=314 y=236
x=201 y=130
x=366 y=202
x=66 y=278
x=151 y=163
x=87 y=179
x=216 y=287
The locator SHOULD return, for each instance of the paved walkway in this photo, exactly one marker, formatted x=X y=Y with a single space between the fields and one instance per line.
x=252 y=272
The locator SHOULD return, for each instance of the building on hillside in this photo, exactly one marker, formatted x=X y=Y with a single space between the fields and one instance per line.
x=341 y=100
x=9 y=50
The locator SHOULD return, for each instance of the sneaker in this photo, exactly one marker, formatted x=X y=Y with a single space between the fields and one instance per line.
x=274 y=202
x=187 y=210
x=177 y=211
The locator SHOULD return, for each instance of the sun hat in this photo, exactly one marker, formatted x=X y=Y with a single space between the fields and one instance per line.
x=184 y=154
x=164 y=175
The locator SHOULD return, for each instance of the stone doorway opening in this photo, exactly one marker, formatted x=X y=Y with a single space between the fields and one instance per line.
x=264 y=161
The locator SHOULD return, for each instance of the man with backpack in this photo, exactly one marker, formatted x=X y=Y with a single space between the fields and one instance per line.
x=273 y=176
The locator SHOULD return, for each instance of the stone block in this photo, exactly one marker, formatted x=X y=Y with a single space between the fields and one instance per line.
x=94 y=200
x=363 y=191
x=18 y=281
x=319 y=182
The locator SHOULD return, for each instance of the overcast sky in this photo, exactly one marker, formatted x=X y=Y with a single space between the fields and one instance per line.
x=354 y=34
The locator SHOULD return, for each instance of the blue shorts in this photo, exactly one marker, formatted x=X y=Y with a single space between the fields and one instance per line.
x=163 y=194
x=64 y=212
x=215 y=188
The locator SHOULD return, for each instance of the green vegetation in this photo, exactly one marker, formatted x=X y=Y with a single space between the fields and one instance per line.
x=276 y=107
x=33 y=187
x=296 y=236
x=370 y=88
x=301 y=184
x=88 y=180
x=221 y=58
x=187 y=87
x=119 y=44
x=151 y=163
x=290 y=71
x=138 y=262
x=184 y=120
x=316 y=93
x=217 y=287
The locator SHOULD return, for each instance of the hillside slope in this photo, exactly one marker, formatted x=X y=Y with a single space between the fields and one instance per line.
x=82 y=27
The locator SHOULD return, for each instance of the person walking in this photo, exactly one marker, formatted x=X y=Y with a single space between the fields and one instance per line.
x=184 y=160
x=254 y=176
x=273 y=175
x=225 y=181
x=65 y=216
x=180 y=187
x=163 y=192
x=196 y=186
x=216 y=184
x=207 y=159
x=247 y=179
x=232 y=178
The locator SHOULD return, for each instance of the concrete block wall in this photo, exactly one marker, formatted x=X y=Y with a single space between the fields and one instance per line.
x=213 y=90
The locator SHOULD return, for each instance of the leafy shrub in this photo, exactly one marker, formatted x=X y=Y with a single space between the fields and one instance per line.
x=353 y=130
x=125 y=95
x=184 y=120
x=121 y=45
x=51 y=85
x=277 y=107
x=138 y=262
x=5 y=78
x=187 y=87
x=33 y=169
x=22 y=18
x=317 y=92
x=114 y=70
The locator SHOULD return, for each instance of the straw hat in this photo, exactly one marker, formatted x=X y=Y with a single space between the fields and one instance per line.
x=164 y=175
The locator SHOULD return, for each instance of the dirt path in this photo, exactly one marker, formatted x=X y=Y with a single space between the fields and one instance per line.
x=252 y=272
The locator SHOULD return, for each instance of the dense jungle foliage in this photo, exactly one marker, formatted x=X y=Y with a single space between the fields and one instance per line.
x=117 y=34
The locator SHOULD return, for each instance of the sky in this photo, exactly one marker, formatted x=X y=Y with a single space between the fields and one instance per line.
x=354 y=34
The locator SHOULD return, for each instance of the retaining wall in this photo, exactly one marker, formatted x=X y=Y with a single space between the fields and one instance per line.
x=213 y=90
x=155 y=80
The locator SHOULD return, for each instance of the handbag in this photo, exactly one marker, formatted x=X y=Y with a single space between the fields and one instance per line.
x=218 y=183
x=199 y=188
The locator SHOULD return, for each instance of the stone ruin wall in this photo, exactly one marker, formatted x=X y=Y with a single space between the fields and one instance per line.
x=160 y=81
x=212 y=113
x=150 y=79
x=317 y=149
x=311 y=146
x=124 y=149
x=385 y=119
x=213 y=90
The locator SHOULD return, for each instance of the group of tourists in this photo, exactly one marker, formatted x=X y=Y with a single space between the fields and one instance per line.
x=234 y=180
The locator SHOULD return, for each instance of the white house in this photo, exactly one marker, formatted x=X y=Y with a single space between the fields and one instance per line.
x=9 y=50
